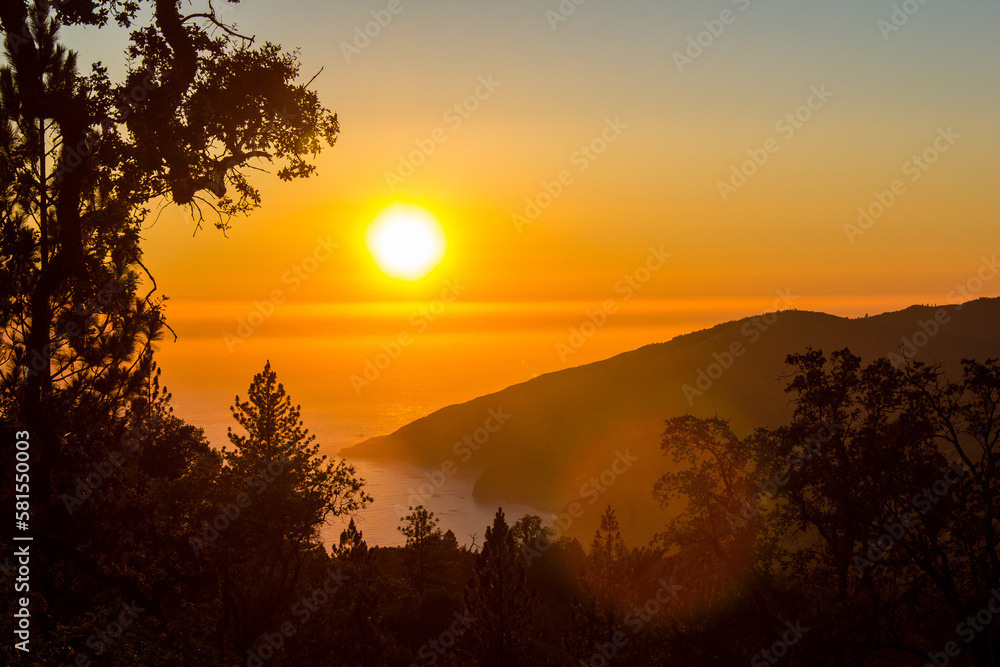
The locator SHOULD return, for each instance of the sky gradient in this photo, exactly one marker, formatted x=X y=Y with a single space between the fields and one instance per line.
x=640 y=138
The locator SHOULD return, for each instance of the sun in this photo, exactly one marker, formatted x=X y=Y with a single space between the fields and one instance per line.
x=406 y=241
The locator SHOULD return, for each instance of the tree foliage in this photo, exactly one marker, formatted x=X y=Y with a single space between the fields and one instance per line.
x=499 y=600
x=118 y=483
x=869 y=516
x=420 y=531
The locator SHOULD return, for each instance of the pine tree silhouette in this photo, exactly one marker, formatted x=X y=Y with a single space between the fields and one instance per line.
x=420 y=530
x=607 y=569
x=278 y=453
x=499 y=599
x=352 y=544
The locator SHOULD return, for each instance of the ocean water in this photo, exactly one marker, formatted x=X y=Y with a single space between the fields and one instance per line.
x=440 y=368
x=321 y=354
x=339 y=419
x=395 y=486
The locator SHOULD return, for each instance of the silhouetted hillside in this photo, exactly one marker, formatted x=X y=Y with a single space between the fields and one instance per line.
x=566 y=428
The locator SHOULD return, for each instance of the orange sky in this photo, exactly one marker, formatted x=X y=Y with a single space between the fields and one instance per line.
x=606 y=77
x=656 y=183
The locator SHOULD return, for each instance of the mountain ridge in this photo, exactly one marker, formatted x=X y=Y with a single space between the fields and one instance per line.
x=566 y=426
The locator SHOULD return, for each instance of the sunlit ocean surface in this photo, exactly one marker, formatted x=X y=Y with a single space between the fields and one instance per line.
x=393 y=485
x=204 y=380
x=474 y=353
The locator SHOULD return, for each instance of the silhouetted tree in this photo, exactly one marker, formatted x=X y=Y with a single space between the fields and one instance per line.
x=448 y=541
x=352 y=545
x=420 y=530
x=900 y=500
x=499 y=600
x=83 y=156
x=722 y=548
x=357 y=631
x=81 y=159
x=531 y=535
x=278 y=452
x=607 y=570
x=280 y=492
x=869 y=517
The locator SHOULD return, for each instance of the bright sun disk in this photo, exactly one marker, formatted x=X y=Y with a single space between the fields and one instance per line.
x=406 y=241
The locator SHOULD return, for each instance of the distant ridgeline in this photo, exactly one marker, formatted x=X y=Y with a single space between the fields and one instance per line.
x=591 y=434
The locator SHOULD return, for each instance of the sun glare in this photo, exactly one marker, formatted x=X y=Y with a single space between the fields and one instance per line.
x=406 y=241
